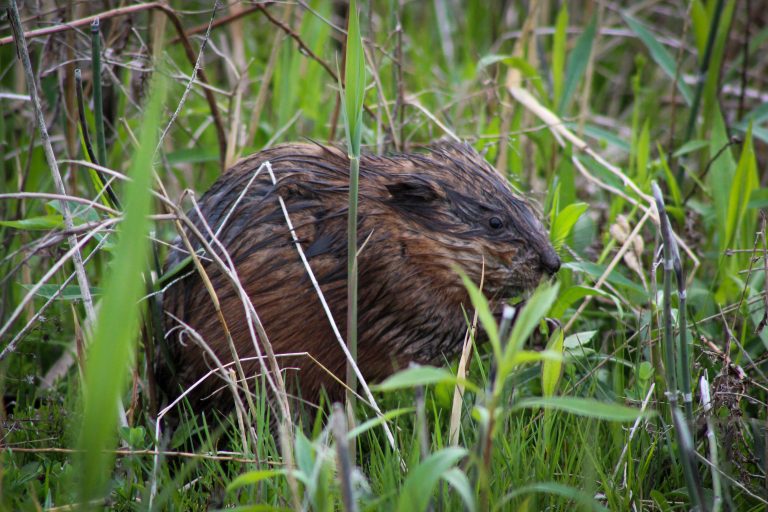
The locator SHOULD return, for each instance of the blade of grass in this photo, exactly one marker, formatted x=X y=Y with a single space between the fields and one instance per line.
x=660 y=55
x=577 y=64
x=558 y=53
x=117 y=324
x=354 y=90
x=98 y=105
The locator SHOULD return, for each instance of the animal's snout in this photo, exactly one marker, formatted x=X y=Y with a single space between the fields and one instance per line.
x=550 y=262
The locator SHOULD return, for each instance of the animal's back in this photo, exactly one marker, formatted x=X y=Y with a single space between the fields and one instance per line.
x=419 y=217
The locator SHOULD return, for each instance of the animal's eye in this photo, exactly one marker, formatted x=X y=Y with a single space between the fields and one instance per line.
x=495 y=223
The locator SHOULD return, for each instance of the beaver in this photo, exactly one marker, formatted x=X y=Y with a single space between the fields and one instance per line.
x=420 y=217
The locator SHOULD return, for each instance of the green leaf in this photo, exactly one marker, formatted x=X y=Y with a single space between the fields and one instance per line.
x=585 y=500
x=45 y=222
x=418 y=487
x=459 y=481
x=758 y=198
x=532 y=313
x=595 y=270
x=722 y=168
x=558 y=53
x=526 y=68
x=660 y=55
x=643 y=154
x=586 y=407
x=578 y=339
x=354 y=82
x=550 y=370
x=421 y=376
x=487 y=321
x=577 y=63
x=376 y=421
x=70 y=292
x=253 y=477
x=535 y=356
x=578 y=292
x=674 y=190
x=602 y=135
x=744 y=183
x=564 y=222
x=700 y=22
x=117 y=323
x=690 y=147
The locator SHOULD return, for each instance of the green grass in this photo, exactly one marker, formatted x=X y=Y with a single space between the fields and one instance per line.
x=575 y=417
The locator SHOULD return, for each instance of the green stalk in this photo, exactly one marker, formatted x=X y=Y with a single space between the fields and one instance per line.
x=354 y=93
x=103 y=180
x=98 y=108
x=354 y=178
x=685 y=446
x=669 y=349
x=345 y=466
x=701 y=79
x=684 y=358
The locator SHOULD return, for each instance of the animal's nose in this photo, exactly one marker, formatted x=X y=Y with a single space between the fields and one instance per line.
x=550 y=262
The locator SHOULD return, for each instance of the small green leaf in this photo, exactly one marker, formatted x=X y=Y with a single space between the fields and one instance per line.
x=595 y=270
x=526 y=68
x=421 y=376
x=376 y=421
x=674 y=190
x=354 y=82
x=643 y=154
x=418 y=487
x=758 y=198
x=578 y=292
x=533 y=311
x=578 y=339
x=660 y=55
x=459 y=481
x=558 y=53
x=700 y=22
x=487 y=321
x=582 y=407
x=564 y=222
x=45 y=222
x=690 y=147
x=577 y=63
x=586 y=501
x=70 y=292
x=550 y=370
x=253 y=477
x=744 y=183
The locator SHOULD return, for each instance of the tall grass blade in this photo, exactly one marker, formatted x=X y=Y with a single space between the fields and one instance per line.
x=354 y=91
x=558 y=53
x=586 y=407
x=98 y=105
x=577 y=64
x=117 y=323
x=354 y=82
x=417 y=489
x=660 y=55
x=745 y=181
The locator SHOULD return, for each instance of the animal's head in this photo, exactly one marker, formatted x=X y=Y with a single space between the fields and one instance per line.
x=462 y=212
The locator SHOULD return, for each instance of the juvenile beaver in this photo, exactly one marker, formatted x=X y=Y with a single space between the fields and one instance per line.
x=420 y=215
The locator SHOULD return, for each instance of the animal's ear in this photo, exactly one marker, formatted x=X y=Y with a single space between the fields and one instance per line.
x=412 y=192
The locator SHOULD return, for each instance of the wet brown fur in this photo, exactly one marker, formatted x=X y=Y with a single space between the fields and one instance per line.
x=421 y=214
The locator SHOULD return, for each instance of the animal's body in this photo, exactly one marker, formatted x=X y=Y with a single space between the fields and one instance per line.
x=420 y=217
